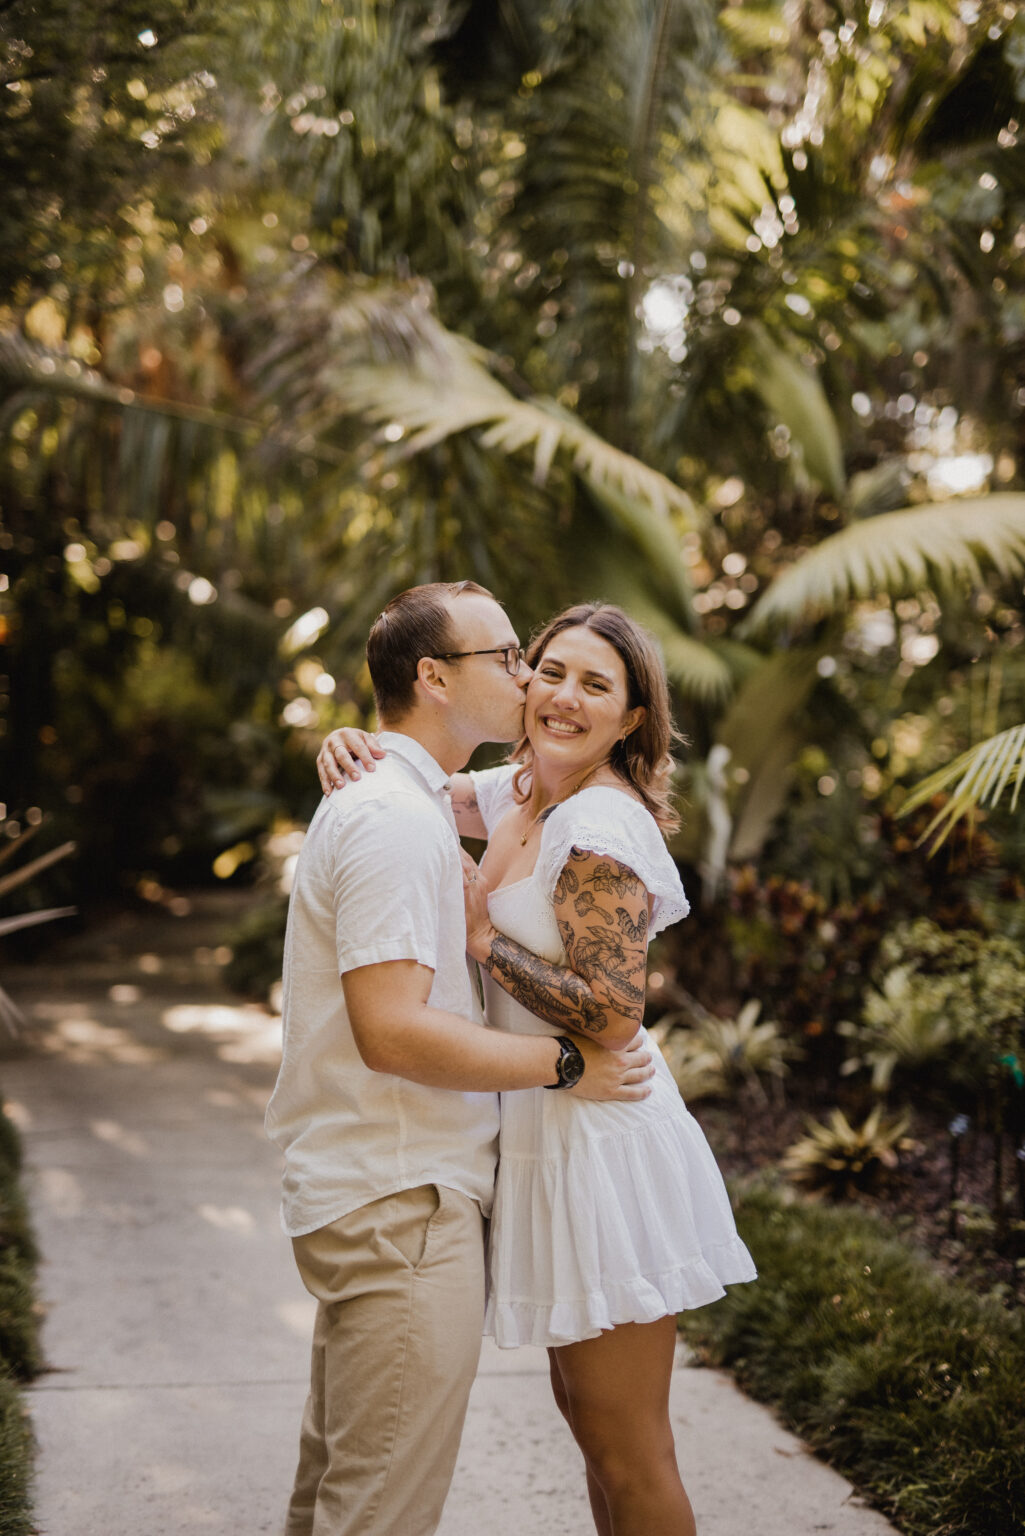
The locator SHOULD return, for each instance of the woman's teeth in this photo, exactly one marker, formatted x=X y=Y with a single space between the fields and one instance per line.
x=562 y=727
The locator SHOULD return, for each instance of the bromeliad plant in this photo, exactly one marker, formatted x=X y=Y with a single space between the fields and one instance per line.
x=719 y=1058
x=839 y=1160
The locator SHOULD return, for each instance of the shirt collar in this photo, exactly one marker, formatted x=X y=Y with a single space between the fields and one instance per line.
x=418 y=757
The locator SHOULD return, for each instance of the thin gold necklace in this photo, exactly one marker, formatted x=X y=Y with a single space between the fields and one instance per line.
x=543 y=815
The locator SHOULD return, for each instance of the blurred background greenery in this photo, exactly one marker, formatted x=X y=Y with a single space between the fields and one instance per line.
x=712 y=309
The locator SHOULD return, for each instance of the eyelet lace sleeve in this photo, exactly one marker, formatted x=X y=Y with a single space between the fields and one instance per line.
x=607 y=821
x=494 y=790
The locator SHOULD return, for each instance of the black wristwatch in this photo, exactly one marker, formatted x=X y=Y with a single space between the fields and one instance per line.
x=570 y=1065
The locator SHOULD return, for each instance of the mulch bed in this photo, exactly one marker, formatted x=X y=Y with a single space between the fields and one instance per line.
x=749 y=1137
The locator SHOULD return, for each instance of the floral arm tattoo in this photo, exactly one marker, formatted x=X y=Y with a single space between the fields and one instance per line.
x=601 y=908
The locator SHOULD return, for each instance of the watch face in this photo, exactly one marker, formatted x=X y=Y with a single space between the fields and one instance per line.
x=571 y=1066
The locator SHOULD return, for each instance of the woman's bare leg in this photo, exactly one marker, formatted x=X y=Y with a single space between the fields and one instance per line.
x=617 y=1405
x=599 y=1503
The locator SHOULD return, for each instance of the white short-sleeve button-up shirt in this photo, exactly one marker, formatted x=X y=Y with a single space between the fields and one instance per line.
x=378 y=879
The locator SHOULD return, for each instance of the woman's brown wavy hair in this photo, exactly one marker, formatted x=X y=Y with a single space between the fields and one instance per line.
x=643 y=760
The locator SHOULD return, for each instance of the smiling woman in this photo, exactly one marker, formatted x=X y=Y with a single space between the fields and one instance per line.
x=610 y=1219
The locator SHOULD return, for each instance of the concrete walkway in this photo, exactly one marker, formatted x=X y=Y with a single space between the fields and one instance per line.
x=177 y=1329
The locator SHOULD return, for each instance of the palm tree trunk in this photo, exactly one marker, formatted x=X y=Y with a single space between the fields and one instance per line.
x=641 y=171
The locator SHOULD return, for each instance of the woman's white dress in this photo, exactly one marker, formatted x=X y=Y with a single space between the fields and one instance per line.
x=603 y=1213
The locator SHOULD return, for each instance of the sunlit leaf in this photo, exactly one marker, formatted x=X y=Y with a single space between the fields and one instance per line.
x=895 y=553
x=979 y=777
x=451 y=391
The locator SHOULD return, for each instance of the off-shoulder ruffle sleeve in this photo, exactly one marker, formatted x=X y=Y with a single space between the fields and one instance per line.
x=494 y=790
x=607 y=821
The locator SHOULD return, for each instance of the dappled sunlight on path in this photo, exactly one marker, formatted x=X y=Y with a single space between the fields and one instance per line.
x=177 y=1329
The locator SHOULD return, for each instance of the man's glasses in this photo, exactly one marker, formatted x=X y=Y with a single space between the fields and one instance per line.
x=512 y=655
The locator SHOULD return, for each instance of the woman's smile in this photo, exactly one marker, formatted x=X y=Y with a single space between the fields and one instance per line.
x=560 y=727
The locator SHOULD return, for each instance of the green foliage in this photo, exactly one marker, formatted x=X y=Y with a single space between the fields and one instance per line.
x=804 y=927
x=257 y=946
x=839 y=1159
x=19 y=1327
x=20 y=1355
x=16 y=1447
x=10 y=1148
x=908 y=1383
x=696 y=1069
x=360 y=128
x=979 y=777
x=804 y=958
x=88 y=87
x=716 y=1058
x=949 y=1006
x=653 y=269
x=17 y=1243
x=19 y=1342
x=897 y=552
x=906 y=1024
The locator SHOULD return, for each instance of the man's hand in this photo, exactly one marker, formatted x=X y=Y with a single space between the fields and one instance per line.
x=621 y=1075
x=341 y=755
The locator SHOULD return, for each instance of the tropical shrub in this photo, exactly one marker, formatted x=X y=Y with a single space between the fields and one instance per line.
x=716 y=1058
x=806 y=960
x=903 y=1379
x=838 y=1159
x=949 y=1004
x=20 y=1357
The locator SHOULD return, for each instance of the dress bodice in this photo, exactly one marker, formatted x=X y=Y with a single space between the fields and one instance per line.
x=600 y=819
x=524 y=914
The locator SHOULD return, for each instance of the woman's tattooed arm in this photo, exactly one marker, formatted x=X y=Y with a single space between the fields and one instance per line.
x=601 y=908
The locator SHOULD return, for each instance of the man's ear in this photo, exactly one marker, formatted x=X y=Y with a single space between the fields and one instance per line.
x=431 y=678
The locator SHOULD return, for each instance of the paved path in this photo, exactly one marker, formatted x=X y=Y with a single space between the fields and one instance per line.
x=177 y=1329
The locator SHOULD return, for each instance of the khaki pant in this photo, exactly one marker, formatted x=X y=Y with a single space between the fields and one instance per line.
x=400 y=1287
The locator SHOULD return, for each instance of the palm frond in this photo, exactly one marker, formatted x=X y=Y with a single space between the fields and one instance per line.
x=697 y=670
x=435 y=399
x=29 y=871
x=28 y=369
x=794 y=395
x=897 y=552
x=657 y=541
x=979 y=776
x=9 y=925
x=761 y=733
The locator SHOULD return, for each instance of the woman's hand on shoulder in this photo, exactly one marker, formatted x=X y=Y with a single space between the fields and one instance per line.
x=345 y=754
x=479 y=928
